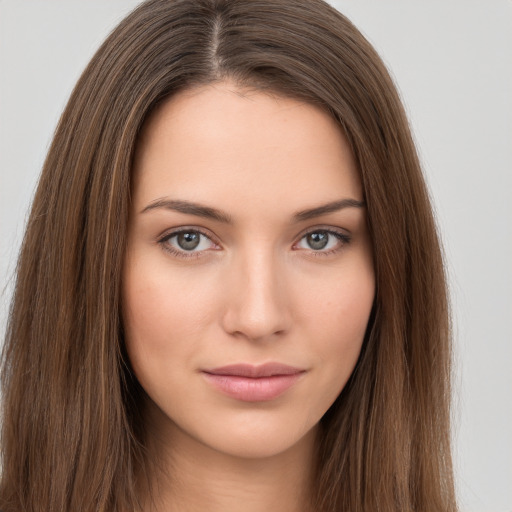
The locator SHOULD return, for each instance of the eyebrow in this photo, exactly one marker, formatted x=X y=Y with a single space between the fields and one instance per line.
x=331 y=207
x=191 y=208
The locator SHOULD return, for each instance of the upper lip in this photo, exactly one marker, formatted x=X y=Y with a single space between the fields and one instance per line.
x=254 y=371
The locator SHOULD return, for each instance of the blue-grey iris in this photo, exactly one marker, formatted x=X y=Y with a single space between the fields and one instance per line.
x=188 y=240
x=318 y=240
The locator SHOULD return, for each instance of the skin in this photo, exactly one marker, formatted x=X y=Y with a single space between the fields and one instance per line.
x=253 y=291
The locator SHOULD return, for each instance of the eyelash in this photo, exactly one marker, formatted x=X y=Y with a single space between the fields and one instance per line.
x=182 y=254
x=343 y=238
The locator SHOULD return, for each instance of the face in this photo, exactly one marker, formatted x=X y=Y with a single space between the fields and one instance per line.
x=248 y=279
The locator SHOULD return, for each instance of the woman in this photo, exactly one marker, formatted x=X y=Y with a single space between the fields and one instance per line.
x=230 y=293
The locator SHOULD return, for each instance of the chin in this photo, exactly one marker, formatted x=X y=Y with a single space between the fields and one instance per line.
x=255 y=443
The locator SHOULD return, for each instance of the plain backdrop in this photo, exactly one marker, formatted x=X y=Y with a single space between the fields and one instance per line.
x=452 y=61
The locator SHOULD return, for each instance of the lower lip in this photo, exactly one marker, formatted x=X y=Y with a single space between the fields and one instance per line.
x=252 y=389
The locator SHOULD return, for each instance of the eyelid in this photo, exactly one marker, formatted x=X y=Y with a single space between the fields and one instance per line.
x=343 y=236
x=345 y=233
x=170 y=233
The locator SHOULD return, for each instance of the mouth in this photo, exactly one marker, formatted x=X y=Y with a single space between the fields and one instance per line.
x=250 y=383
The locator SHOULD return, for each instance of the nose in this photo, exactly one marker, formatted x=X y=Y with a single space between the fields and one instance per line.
x=256 y=305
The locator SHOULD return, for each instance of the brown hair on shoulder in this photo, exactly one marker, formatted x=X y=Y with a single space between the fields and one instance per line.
x=72 y=436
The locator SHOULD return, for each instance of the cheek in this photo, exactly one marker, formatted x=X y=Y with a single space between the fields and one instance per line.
x=336 y=321
x=164 y=314
x=340 y=306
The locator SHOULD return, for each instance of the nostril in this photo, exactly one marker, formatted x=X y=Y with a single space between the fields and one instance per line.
x=255 y=323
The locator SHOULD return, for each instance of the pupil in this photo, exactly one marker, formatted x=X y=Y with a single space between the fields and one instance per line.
x=318 y=240
x=188 y=241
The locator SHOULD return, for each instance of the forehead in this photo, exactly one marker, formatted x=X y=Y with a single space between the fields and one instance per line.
x=219 y=143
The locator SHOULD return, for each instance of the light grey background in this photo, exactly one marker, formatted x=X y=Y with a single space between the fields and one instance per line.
x=453 y=63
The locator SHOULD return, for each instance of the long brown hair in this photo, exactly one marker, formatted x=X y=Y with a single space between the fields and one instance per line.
x=72 y=433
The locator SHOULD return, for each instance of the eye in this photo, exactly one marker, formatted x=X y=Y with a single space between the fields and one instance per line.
x=323 y=241
x=186 y=243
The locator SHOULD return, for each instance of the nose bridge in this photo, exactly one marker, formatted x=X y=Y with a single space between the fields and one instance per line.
x=257 y=306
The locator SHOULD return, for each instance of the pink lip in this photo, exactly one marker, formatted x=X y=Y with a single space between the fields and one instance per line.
x=253 y=383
